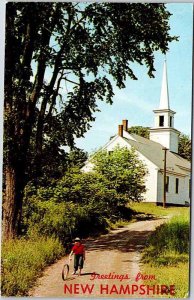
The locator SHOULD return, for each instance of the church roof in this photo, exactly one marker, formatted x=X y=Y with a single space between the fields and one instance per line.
x=153 y=151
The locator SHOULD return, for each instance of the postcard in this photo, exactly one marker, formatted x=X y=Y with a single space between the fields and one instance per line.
x=97 y=149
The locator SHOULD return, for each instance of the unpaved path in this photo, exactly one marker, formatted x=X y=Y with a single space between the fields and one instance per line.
x=118 y=253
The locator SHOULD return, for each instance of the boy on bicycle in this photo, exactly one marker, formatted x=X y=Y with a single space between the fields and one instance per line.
x=79 y=255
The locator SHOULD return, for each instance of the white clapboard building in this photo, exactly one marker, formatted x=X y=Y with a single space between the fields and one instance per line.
x=151 y=152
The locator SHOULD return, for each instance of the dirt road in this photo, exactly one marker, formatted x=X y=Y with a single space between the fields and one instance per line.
x=114 y=254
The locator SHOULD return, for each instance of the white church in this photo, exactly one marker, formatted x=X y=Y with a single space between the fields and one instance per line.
x=152 y=152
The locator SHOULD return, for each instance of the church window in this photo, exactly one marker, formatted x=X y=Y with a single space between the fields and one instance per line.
x=167 y=183
x=170 y=121
x=161 y=121
x=177 y=186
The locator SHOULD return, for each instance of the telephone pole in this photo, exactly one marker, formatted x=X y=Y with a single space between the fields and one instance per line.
x=164 y=180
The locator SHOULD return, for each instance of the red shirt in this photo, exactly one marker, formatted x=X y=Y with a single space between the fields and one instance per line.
x=78 y=249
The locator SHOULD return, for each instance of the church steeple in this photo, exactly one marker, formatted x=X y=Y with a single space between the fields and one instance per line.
x=164 y=96
x=163 y=131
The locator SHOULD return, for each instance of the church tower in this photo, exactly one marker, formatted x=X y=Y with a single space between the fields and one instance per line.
x=163 y=131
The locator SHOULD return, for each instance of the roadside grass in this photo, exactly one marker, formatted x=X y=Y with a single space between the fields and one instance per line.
x=177 y=275
x=159 y=211
x=23 y=260
x=167 y=254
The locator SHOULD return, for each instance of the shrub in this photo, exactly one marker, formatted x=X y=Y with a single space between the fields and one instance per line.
x=49 y=218
x=124 y=172
x=78 y=203
x=63 y=219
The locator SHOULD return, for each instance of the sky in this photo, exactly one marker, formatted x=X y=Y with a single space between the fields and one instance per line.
x=138 y=100
x=140 y=97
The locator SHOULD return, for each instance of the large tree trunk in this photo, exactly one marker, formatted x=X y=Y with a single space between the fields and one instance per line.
x=12 y=205
x=9 y=229
x=19 y=113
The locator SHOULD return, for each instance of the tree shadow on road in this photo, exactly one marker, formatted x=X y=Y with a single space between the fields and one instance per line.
x=123 y=241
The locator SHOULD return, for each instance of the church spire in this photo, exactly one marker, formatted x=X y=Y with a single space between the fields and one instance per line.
x=163 y=131
x=164 y=96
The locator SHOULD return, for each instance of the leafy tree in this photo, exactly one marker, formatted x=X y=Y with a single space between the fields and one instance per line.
x=77 y=158
x=77 y=187
x=184 y=148
x=59 y=59
x=140 y=130
x=55 y=162
x=124 y=172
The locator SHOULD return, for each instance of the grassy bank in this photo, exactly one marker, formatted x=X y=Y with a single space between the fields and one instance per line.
x=153 y=210
x=23 y=260
x=167 y=253
x=177 y=275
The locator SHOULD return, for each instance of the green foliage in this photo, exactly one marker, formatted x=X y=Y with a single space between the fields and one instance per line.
x=80 y=199
x=185 y=146
x=169 y=244
x=55 y=162
x=167 y=252
x=140 y=130
x=76 y=158
x=69 y=206
x=177 y=274
x=78 y=187
x=50 y=218
x=23 y=260
x=124 y=171
x=84 y=45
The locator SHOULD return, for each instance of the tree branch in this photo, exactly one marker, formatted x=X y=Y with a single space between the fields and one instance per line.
x=71 y=81
x=55 y=94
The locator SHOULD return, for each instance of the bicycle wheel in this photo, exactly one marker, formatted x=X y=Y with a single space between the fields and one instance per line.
x=65 y=271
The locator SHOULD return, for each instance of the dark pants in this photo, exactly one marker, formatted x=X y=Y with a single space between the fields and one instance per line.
x=78 y=261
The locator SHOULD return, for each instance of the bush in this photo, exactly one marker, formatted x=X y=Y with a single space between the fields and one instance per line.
x=23 y=260
x=79 y=203
x=124 y=172
x=49 y=218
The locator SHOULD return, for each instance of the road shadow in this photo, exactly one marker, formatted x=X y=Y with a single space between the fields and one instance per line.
x=145 y=217
x=123 y=241
x=89 y=273
x=69 y=279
